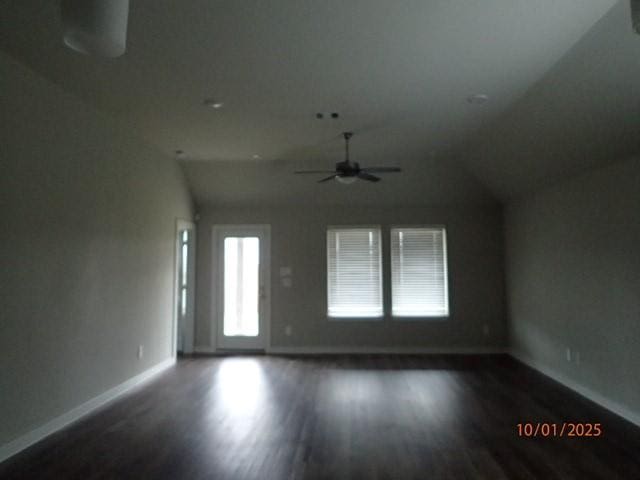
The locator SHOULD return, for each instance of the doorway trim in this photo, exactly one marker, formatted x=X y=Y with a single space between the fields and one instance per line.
x=217 y=282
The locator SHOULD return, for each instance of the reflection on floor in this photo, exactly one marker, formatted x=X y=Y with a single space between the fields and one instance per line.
x=357 y=417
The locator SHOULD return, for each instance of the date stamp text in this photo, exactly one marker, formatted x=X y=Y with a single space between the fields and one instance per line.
x=564 y=429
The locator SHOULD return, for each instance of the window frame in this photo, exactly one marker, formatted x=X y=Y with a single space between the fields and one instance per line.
x=381 y=259
x=447 y=287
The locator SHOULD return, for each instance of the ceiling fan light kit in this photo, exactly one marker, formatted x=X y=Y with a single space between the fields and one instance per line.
x=95 y=27
x=347 y=172
x=346 y=180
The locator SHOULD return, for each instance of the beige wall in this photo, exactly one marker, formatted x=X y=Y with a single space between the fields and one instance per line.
x=298 y=237
x=573 y=276
x=86 y=250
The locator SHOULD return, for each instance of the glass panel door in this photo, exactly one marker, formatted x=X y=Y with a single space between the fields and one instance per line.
x=241 y=286
x=183 y=324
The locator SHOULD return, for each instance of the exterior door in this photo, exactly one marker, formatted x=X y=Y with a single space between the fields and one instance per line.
x=185 y=287
x=242 y=271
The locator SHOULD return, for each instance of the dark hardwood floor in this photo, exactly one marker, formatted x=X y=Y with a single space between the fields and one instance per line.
x=356 y=417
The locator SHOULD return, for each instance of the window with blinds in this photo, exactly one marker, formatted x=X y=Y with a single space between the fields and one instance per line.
x=419 y=272
x=354 y=272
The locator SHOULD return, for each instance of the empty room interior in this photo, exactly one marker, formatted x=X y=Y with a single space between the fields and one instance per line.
x=300 y=239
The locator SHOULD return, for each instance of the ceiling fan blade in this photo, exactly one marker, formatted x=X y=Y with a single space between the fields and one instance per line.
x=314 y=171
x=328 y=178
x=382 y=169
x=366 y=176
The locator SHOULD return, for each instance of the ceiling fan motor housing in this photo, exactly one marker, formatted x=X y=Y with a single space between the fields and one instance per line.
x=347 y=169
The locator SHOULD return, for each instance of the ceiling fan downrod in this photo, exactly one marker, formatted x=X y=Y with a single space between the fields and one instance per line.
x=347 y=136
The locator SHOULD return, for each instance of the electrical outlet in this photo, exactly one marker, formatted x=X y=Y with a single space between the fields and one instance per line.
x=568 y=354
x=485 y=330
x=140 y=351
x=288 y=331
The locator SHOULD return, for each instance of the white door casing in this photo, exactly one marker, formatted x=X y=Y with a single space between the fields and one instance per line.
x=239 y=341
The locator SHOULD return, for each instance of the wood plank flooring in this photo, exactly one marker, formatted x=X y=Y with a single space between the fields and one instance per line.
x=338 y=417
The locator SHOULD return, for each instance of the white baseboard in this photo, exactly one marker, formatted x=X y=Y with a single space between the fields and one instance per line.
x=17 y=445
x=204 y=349
x=611 y=405
x=364 y=350
x=332 y=350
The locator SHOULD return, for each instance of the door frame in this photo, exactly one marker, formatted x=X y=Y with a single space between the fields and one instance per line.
x=189 y=327
x=217 y=281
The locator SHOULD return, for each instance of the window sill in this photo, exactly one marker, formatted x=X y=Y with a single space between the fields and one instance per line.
x=376 y=318
x=420 y=318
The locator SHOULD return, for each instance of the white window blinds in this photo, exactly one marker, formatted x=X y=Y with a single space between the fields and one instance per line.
x=419 y=272
x=354 y=272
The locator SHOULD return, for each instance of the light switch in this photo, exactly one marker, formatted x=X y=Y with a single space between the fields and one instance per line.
x=285 y=271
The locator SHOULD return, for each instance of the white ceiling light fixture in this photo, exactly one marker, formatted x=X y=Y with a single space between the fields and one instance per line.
x=212 y=103
x=95 y=27
x=478 y=99
x=346 y=180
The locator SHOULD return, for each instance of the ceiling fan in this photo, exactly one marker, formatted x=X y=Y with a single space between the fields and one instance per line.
x=348 y=171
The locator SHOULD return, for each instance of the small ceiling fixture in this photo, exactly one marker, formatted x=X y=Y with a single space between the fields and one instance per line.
x=95 y=27
x=212 y=103
x=321 y=115
x=478 y=99
x=348 y=172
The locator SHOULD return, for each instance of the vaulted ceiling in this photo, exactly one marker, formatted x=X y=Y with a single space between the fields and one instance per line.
x=584 y=113
x=561 y=77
